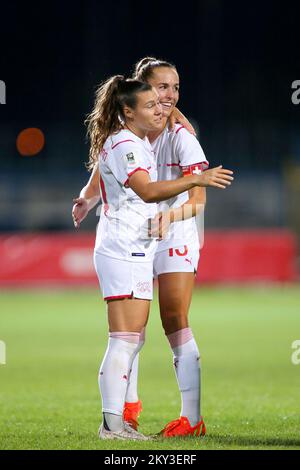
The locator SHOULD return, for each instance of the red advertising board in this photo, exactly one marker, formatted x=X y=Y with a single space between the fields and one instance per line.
x=67 y=259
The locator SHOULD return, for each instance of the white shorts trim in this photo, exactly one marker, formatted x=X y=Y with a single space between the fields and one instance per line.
x=182 y=259
x=120 y=279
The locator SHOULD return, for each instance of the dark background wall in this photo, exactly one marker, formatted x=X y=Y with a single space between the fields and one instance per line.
x=237 y=61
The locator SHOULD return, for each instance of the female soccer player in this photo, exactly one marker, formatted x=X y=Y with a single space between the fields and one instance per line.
x=176 y=258
x=124 y=112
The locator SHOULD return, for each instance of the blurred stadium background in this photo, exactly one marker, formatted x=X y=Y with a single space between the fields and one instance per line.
x=236 y=75
x=237 y=62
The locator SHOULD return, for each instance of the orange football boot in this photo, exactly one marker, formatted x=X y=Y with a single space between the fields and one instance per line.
x=131 y=413
x=181 y=428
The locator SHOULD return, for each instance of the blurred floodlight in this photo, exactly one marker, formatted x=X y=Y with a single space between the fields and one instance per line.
x=30 y=142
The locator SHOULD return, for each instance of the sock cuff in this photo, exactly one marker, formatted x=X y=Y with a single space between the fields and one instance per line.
x=180 y=337
x=128 y=336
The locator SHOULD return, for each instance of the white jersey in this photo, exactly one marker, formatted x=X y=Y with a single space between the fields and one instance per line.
x=122 y=231
x=178 y=152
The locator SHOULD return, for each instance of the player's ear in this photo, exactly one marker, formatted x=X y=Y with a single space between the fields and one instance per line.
x=128 y=112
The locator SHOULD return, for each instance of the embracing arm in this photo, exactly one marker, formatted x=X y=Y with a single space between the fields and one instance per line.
x=91 y=191
x=178 y=116
x=141 y=184
x=88 y=198
x=192 y=207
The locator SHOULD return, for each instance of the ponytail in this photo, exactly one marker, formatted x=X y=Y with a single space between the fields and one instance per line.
x=107 y=115
x=104 y=119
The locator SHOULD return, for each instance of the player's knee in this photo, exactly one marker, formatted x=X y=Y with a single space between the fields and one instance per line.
x=172 y=323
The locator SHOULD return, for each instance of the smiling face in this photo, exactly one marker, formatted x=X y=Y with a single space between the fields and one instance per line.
x=147 y=114
x=166 y=81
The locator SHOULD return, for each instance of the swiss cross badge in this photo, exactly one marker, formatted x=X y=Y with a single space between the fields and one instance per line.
x=197 y=171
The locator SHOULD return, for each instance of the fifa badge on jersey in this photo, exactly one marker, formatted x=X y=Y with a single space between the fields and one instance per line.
x=132 y=159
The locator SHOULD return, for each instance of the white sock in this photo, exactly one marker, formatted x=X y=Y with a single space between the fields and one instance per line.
x=114 y=370
x=132 y=388
x=187 y=369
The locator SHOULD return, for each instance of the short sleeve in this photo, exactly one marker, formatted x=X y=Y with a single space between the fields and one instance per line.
x=126 y=157
x=189 y=151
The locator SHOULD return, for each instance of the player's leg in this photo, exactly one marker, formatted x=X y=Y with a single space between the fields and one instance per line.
x=132 y=389
x=126 y=319
x=127 y=287
x=175 y=294
x=133 y=406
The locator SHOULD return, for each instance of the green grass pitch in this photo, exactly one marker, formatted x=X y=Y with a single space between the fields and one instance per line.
x=55 y=341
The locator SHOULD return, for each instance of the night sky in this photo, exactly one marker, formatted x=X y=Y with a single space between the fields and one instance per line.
x=236 y=60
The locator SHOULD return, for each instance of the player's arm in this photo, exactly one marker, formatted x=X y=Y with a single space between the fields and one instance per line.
x=178 y=117
x=88 y=198
x=141 y=184
x=192 y=207
x=192 y=161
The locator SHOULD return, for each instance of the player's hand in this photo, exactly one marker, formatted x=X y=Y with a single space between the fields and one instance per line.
x=159 y=226
x=79 y=211
x=177 y=117
x=216 y=177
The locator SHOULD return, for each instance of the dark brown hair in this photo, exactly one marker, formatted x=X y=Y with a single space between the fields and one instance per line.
x=107 y=115
x=144 y=68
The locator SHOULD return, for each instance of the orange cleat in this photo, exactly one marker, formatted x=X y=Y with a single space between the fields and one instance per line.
x=181 y=428
x=131 y=413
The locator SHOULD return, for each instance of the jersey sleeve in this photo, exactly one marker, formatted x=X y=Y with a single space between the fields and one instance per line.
x=125 y=159
x=191 y=157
